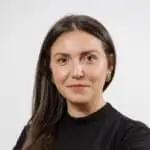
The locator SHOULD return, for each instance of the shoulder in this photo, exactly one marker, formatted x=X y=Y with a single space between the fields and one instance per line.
x=21 y=139
x=132 y=134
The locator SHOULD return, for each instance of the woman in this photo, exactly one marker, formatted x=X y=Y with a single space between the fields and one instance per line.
x=76 y=65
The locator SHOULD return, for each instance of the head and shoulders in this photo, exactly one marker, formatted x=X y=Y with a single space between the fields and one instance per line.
x=76 y=64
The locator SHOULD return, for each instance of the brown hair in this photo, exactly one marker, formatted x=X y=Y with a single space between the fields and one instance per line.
x=48 y=105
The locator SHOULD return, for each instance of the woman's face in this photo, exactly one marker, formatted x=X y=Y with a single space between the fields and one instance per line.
x=79 y=66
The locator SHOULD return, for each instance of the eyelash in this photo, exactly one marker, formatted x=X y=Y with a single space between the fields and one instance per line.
x=60 y=59
x=94 y=57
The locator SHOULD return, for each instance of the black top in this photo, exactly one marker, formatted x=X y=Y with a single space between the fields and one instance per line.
x=105 y=129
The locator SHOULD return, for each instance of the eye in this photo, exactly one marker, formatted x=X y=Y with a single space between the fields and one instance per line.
x=62 y=61
x=90 y=58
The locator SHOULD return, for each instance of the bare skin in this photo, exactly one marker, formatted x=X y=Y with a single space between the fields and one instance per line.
x=78 y=58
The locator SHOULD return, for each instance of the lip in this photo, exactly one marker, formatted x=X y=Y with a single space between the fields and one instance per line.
x=77 y=85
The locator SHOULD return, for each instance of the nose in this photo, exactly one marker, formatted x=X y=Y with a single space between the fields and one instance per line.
x=77 y=71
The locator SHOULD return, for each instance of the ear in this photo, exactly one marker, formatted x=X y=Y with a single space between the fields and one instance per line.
x=110 y=69
x=108 y=77
x=110 y=62
x=109 y=72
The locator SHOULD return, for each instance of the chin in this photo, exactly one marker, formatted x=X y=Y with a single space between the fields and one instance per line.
x=79 y=100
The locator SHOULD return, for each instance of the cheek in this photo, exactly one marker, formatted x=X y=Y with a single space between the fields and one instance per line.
x=59 y=74
x=59 y=78
x=98 y=74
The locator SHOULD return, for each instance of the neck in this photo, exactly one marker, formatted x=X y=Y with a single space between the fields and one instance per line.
x=83 y=110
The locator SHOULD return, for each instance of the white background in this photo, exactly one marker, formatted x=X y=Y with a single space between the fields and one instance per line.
x=23 y=25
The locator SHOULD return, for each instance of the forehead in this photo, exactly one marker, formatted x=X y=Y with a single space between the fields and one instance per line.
x=75 y=42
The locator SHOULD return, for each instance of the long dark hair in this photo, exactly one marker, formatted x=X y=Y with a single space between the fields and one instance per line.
x=48 y=105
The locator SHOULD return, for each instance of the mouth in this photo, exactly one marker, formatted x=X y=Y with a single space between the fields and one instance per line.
x=78 y=88
x=77 y=85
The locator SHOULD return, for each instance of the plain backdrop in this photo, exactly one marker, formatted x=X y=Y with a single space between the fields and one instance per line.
x=23 y=25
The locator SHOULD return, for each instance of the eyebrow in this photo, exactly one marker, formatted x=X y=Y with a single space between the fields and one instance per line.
x=82 y=52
